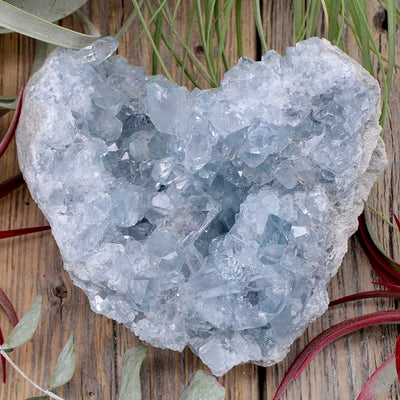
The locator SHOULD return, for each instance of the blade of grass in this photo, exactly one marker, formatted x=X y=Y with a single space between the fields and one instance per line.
x=148 y=34
x=173 y=19
x=204 y=43
x=194 y=60
x=209 y=9
x=339 y=38
x=313 y=18
x=259 y=24
x=157 y=41
x=358 y=13
x=306 y=18
x=187 y=41
x=151 y=20
x=179 y=62
x=299 y=18
x=333 y=10
x=221 y=35
x=380 y=216
x=239 y=27
x=391 y=15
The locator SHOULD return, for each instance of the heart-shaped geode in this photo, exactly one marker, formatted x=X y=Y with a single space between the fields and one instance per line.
x=211 y=218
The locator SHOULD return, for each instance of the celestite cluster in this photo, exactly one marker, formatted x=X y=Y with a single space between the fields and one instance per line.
x=211 y=218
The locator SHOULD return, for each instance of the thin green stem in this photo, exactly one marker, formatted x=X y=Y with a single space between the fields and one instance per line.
x=391 y=12
x=140 y=15
x=378 y=214
x=202 y=70
x=187 y=40
x=151 y=20
x=157 y=40
x=222 y=36
x=239 y=27
x=210 y=67
x=259 y=24
x=26 y=377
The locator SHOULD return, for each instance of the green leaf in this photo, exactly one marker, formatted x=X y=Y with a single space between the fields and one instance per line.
x=50 y=10
x=130 y=381
x=203 y=386
x=65 y=366
x=25 y=23
x=25 y=328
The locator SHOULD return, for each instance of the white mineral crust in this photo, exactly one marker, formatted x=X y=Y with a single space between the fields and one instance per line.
x=211 y=218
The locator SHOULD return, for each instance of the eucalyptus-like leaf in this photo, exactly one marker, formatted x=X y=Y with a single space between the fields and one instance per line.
x=28 y=24
x=65 y=366
x=130 y=381
x=25 y=328
x=203 y=386
x=50 y=10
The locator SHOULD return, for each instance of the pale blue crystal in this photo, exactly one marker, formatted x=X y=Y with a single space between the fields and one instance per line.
x=211 y=218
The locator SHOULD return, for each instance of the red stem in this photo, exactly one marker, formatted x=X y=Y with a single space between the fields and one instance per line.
x=397 y=354
x=10 y=185
x=13 y=127
x=379 y=262
x=330 y=335
x=365 y=295
x=6 y=304
x=23 y=231
x=3 y=360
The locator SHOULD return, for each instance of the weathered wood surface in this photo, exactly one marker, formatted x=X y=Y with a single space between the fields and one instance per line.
x=32 y=264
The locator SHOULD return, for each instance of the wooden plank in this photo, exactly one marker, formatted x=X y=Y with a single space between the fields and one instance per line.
x=33 y=264
x=340 y=371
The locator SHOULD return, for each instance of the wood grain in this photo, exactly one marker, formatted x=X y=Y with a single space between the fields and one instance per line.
x=32 y=264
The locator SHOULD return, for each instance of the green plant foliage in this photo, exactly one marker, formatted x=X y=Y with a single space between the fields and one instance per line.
x=28 y=24
x=203 y=386
x=25 y=328
x=65 y=366
x=130 y=381
x=50 y=10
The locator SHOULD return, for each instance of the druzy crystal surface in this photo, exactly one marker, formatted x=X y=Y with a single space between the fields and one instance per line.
x=210 y=218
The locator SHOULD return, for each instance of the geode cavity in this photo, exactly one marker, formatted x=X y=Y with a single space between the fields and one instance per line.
x=211 y=218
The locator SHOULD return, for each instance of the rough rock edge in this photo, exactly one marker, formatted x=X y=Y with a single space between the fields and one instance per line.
x=344 y=224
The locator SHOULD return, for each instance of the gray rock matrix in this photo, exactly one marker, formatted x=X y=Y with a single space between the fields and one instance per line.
x=211 y=218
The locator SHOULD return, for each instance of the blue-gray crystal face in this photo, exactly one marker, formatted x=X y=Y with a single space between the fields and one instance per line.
x=210 y=218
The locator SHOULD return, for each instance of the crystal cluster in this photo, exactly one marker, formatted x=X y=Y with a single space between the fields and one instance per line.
x=210 y=218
